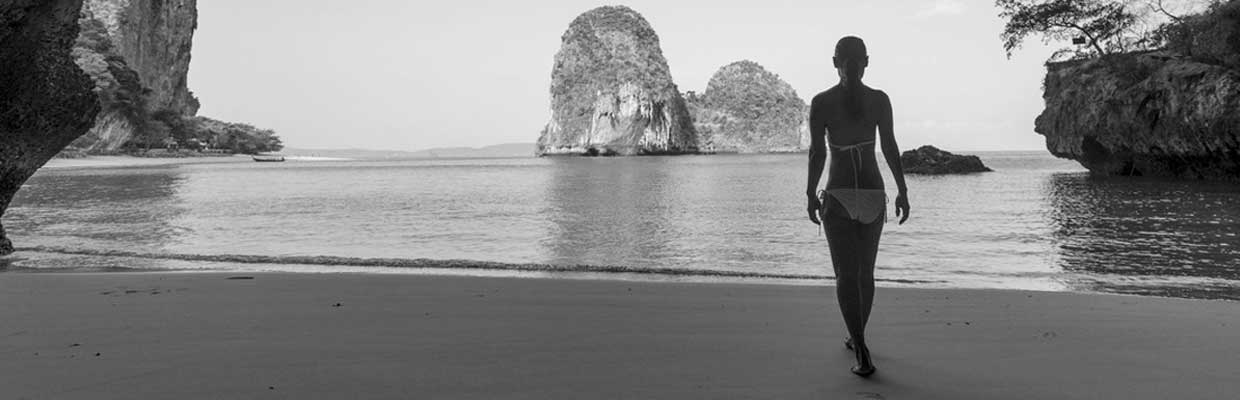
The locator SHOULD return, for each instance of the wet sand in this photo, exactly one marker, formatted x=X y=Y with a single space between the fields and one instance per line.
x=203 y=335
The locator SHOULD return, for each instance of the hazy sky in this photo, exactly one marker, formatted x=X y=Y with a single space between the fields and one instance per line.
x=408 y=75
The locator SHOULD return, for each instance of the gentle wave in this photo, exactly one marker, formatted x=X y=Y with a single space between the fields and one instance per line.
x=433 y=263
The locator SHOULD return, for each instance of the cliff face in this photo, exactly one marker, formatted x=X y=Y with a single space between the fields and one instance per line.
x=154 y=37
x=612 y=92
x=1151 y=114
x=746 y=108
x=45 y=99
x=148 y=39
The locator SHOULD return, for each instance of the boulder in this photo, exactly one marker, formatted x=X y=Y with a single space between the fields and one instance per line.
x=929 y=160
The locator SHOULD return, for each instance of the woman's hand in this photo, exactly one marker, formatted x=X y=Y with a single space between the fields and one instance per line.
x=813 y=207
x=902 y=207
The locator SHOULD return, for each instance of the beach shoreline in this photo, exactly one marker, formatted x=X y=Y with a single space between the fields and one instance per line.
x=210 y=335
x=132 y=161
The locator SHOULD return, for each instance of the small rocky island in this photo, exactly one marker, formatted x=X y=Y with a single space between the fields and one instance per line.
x=747 y=109
x=929 y=160
x=612 y=92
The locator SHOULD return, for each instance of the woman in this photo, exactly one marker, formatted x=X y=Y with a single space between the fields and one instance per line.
x=844 y=118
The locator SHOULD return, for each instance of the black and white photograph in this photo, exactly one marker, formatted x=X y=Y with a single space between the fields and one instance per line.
x=567 y=199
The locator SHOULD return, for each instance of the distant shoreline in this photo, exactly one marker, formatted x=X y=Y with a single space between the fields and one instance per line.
x=132 y=161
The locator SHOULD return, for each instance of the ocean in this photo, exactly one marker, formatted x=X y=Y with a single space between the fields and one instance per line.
x=1036 y=222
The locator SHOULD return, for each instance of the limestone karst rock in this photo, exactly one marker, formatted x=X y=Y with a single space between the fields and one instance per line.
x=748 y=109
x=138 y=54
x=45 y=99
x=1150 y=114
x=612 y=91
x=929 y=160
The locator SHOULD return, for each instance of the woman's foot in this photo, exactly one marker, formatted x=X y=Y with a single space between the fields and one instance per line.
x=848 y=343
x=865 y=366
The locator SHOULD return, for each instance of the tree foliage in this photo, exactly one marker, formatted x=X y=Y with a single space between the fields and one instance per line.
x=1211 y=37
x=235 y=137
x=1104 y=26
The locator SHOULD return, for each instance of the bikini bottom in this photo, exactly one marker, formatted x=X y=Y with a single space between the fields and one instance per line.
x=862 y=205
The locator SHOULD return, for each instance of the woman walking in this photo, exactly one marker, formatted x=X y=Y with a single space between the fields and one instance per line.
x=853 y=206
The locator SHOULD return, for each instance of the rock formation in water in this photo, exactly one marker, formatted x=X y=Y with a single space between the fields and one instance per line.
x=612 y=92
x=1144 y=114
x=138 y=53
x=45 y=99
x=929 y=160
x=1173 y=113
x=748 y=109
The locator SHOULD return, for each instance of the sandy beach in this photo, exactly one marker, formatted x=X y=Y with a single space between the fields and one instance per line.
x=208 y=335
x=130 y=161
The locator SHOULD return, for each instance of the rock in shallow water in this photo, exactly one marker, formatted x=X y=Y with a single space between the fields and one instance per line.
x=929 y=160
x=612 y=92
x=45 y=99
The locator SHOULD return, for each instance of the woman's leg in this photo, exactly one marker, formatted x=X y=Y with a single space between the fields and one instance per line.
x=842 y=239
x=868 y=236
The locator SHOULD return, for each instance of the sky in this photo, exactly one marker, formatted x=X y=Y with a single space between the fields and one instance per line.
x=411 y=75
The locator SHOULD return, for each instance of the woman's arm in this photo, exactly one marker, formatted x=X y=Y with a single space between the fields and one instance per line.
x=891 y=151
x=817 y=156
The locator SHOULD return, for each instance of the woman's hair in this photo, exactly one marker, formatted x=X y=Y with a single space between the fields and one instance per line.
x=851 y=49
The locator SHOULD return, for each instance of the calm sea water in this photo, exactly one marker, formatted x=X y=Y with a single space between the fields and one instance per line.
x=1036 y=223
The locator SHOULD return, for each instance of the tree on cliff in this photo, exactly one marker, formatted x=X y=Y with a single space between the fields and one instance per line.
x=1098 y=24
x=1211 y=36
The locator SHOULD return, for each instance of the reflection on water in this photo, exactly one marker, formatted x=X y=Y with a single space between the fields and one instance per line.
x=1035 y=223
x=739 y=214
x=99 y=208
x=597 y=219
x=1148 y=232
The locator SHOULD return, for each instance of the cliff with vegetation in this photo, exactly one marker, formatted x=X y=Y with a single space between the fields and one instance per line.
x=748 y=109
x=1174 y=112
x=45 y=99
x=612 y=91
x=138 y=53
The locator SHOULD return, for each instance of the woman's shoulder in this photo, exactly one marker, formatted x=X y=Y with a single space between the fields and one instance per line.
x=877 y=93
x=836 y=91
x=825 y=95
